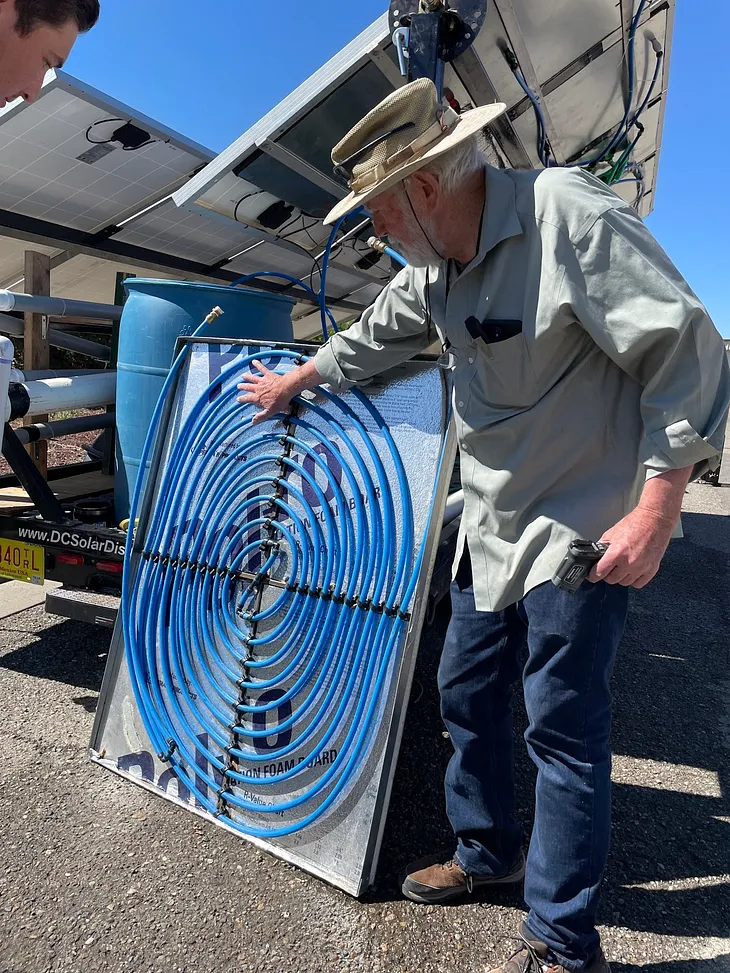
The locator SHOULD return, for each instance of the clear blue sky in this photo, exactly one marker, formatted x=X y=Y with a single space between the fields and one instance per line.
x=211 y=69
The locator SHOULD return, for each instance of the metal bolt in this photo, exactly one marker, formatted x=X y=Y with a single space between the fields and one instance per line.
x=396 y=23
x=474 y=26
x=396 y=12
x=468 y=36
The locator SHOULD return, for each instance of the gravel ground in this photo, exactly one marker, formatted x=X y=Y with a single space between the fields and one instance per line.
x=61 y=452
x=100 y=875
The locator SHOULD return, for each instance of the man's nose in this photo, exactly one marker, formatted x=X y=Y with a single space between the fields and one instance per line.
x=32 y=91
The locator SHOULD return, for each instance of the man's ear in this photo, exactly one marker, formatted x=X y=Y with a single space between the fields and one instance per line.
x=424 y=188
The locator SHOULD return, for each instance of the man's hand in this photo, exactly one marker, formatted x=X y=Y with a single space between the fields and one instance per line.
x=636 y=548
x=272 y=392
x=638 y=542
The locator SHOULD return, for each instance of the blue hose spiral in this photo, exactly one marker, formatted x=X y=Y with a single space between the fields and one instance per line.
x=270 y=600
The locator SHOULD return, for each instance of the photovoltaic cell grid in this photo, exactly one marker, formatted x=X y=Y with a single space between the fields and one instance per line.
x=42 y=176
x=192 y=236
x=49 y=170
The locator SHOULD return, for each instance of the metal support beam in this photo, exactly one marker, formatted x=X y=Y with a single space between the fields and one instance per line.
x=29 y=477
x=33 y=230
x=36 y=349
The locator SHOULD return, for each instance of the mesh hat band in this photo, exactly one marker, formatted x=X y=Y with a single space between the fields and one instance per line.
x=447 y=121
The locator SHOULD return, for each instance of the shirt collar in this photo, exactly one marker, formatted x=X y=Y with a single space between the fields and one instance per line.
x=499 y=219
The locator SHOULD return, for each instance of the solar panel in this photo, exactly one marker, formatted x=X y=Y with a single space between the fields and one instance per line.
x=88 y=180
x=191 y=235
x=573 y=54
x=83 y=160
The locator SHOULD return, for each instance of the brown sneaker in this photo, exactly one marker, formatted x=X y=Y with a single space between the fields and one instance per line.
x=532 y=957
x=441 y=879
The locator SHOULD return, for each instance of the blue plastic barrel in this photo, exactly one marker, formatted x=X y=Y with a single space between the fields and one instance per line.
x=155 y=314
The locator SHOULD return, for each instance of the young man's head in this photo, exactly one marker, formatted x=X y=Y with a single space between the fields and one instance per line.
x=36 y=35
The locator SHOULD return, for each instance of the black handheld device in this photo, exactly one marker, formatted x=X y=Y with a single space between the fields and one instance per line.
x=577 y=563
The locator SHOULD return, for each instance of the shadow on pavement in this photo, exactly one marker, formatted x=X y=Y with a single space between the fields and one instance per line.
x=671 y=705
x=717 y=965
x=68 y=652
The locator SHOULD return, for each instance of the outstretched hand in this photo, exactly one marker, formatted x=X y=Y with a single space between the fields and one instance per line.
x=270 y=391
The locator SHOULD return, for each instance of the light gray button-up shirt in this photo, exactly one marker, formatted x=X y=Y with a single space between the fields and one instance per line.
x=601 y=367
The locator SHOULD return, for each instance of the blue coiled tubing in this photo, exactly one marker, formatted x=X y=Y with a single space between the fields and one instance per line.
x=216 y=669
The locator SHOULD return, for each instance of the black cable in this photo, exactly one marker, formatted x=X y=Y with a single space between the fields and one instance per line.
x=257 y=192
x=103 y=121
x=125 y=148
x=307 y=229
x=302 y=229
x=136 y=148
x=299 y=229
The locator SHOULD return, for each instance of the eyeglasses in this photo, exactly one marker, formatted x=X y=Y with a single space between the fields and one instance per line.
x=344 y=169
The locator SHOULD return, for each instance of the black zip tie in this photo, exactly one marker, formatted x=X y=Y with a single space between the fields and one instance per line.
x=165 y=757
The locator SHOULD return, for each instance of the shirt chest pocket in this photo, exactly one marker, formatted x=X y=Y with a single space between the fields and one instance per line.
x=503 y=375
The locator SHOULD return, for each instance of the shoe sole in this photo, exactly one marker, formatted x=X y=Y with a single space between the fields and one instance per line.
x=426 y=895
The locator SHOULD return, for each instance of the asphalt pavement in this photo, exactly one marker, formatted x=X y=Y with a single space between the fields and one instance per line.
x=100 y=875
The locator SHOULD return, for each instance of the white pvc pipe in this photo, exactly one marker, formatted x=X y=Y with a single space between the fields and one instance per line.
x=18 y=376
x=454 y=507
x=57 y=306
x=62 y=394
x=6 y=366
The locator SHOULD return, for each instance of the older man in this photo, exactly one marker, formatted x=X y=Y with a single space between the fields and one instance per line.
x=589 y=387
x=35 y=36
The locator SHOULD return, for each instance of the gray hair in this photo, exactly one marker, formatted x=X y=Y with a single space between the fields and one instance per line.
x=453 y=168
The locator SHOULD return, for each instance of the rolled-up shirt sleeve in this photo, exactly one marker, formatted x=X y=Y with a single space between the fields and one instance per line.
x=626 y=293
x=390 y=331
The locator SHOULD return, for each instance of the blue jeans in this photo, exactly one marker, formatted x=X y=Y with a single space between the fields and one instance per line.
x=572 y=641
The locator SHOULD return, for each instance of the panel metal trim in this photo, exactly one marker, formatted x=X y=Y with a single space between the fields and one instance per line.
x=294 y=162
x=330 y=76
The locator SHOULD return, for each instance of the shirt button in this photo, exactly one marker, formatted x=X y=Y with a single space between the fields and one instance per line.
x=471 y=361
x=460 y=404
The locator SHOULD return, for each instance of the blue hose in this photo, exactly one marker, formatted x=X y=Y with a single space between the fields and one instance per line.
x=626 y=121
x=285 y=615
x=542 y=140
x=319 y=298
x=394 y=255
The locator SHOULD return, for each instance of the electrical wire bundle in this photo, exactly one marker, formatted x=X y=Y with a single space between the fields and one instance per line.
x=606 y=166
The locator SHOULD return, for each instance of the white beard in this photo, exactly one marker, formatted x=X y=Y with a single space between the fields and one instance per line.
x=420 y=252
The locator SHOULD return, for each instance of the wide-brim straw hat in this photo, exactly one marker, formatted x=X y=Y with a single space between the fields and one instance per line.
x=406 y=131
